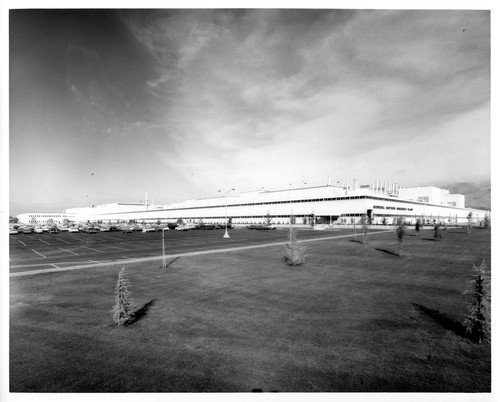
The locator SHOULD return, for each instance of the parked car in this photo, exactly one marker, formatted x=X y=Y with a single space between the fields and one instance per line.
x=13 y=231
x=105 y=229
x=28 y=230
x=265 y=227
x=73 y=230
x=126 y=229
x=53 y=230
x=184 y=227
x=38 y=229
x=148 y=229
x=92 y=230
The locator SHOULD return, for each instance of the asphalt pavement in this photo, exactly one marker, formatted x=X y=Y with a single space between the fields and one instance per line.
x=44 y=251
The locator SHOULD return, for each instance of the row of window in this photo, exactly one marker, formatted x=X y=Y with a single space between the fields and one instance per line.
x=46 y=216
x=287 y=202
x=290 y=202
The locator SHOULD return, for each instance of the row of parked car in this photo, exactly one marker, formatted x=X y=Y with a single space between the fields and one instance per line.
x=28 y=229
x=85 y=228
x=124 y=228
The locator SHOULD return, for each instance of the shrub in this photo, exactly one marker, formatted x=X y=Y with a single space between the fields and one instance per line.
x=477 y=322
x=295 y=252
x=124 y=306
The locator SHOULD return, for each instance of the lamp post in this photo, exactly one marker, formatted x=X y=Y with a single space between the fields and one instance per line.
x=163 y=248
x=226 y=235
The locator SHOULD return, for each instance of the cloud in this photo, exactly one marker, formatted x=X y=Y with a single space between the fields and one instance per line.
x=270 y=82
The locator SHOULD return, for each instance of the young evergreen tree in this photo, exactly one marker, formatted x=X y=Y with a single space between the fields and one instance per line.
x=268 y=220
x=401 y=232
x=437 y=231
x=477 y=323
x=487 y=221
x=418 y=226
x=469 y=223
x=294 y=252
x=364 y=226
x=124 y=305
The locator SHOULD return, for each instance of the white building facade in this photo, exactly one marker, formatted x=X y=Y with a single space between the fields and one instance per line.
x=327 y=204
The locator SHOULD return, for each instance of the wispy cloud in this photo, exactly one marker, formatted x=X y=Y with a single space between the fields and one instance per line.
x=250 y=83
x=268 y=97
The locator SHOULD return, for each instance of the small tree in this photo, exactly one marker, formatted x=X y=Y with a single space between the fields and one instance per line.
x=437 y=231
x=487 y=221
x=268 y=220
x=364 y=226
x=401 y=232
x=124 y=306
x=295 y=252
x=469 y=223
x=418 y=226
x=477 y=323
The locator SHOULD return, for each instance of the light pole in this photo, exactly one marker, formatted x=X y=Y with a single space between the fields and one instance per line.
x=226 y=235
x=163 y=244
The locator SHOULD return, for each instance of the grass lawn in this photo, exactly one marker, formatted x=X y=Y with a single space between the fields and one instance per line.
x=354 y=318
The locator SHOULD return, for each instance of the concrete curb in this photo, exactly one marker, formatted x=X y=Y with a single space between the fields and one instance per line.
x=170 y=256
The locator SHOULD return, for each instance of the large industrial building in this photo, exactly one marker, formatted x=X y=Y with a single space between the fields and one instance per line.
x=382 y=202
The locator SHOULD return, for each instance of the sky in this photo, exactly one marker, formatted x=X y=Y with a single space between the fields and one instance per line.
x=106 y=105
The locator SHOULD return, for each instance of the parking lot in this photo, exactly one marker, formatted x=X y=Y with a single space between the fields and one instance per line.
x=33 y=252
